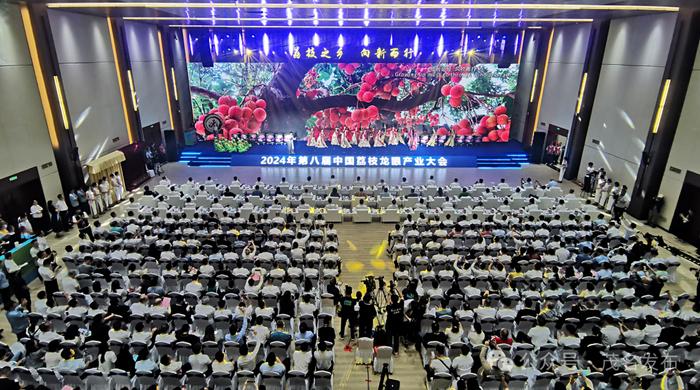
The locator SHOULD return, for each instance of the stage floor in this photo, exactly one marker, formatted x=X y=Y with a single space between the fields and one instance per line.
x=497 y=155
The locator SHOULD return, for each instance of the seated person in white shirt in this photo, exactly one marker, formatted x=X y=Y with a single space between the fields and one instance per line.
x=301 y=358
x=324 y=358
x=306 y=307
x=361 y=206
x=221 y=364
x=463 y=363
x=199 y=361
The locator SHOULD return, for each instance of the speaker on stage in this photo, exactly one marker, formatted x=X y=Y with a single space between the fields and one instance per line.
x=170 y=145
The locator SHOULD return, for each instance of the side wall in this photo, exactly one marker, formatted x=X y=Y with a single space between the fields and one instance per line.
x=522 y=93
x=564 y=75
x=85 y=57
x=144 y=53
x=26 y=143
x=630 y=78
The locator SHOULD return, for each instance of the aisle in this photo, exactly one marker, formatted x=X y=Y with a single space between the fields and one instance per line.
x=363 y=250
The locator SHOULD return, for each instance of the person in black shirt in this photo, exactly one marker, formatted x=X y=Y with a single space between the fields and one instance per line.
x=435 y=334
x=394 y=321
x=672 y=335
x=380 y=337
x=332 y=289
x=347 y=312
x=326 y=333
x=366 y=316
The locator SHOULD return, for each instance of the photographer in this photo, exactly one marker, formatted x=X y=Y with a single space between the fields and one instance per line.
x=347 y=312
x=394 y=321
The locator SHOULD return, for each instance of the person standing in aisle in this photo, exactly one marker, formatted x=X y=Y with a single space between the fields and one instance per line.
x=347 y=312
x=118 y=186
x=614 y=194
x=82 y=199
x=37 y=214
x=394 y=321
x=47 y=271
x=562 y=169
x=366 y=317
x=93 y=198
x=62 y=208
x=5 y=291
x=605 y=193
x=105 y=194
x=73 y=202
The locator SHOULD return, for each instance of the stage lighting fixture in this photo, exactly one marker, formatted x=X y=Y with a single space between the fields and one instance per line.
x=443 y=13
x=240 y=42
x=365 y=40
x=660 y=108
x=263 y=19
x=290 y=43
x=491 y=45
x=415 y=44
x=471 y=52
x=340 y=15
x=388 y=5
x=441 y=46
x=266 y=44
x=289 y=14
x=366 y=17
x=216 y=44
x=341 y=40
x=315 y=20
x=417 y=14
x=316 y=40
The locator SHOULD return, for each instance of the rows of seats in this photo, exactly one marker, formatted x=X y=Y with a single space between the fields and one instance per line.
x=201 y=287
x=555 y=297
x=359 y=203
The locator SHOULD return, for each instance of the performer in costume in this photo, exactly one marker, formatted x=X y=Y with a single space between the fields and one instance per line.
x=451 y=139
x=379 y=139
x=321 y=140
x=310 y=140
x=344 y=143
x=400 y=136
x=433 y=139
x=353 y=140
x=334 y=138
x=393 y=137
x=413 y=140
x=364 y=140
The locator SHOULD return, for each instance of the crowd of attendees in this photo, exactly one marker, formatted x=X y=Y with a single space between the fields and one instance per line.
x=506 y=296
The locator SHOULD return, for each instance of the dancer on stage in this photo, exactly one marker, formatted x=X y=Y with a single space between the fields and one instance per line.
x=451 y=140
x=413 y=138
x=393 y=136
x=344 y=143
x=310 y=139
x=353 y=140
x=379 y=139
x=433 y=139
x=321 y=140
x=364 y=140
x=334 y=138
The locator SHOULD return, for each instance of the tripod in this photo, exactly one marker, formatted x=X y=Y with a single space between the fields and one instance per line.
x=385 y=383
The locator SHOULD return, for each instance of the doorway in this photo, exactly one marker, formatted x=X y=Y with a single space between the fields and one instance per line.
x=18 y=192
x=555 y=145
x=686 y=218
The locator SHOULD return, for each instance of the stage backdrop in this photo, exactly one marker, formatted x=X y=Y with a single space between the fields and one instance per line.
x=469 y=100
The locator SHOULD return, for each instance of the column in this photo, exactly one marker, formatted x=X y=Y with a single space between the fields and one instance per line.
x=587 y=91
x=671 y=96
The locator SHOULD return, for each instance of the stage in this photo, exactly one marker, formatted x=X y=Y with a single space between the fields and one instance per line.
x=509 y=155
